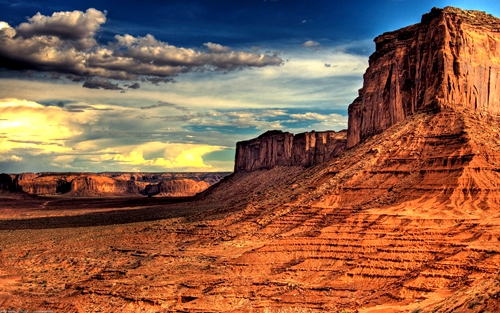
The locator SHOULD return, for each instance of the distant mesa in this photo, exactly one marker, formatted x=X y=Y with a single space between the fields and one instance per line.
x=178 y=187
x=6 y=183
x=110 y=184
x=278 y=148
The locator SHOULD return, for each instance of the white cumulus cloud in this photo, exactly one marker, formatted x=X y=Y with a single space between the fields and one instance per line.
x=65 y=43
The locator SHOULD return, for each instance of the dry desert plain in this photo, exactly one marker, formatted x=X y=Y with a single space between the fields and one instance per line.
x=401 y=223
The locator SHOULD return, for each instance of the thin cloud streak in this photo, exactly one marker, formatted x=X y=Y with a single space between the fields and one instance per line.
x=165 y=105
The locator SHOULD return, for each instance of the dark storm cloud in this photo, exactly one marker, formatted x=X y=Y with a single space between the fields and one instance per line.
x=133 y=86
x=100 y=84
x=65 y=43
x=157 y=80
x=55 y=103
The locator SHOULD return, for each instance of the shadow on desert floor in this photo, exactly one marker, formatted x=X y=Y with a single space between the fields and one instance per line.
x=71 y=213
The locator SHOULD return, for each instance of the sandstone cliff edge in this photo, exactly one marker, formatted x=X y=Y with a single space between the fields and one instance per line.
x=277 y=148
x=450 y=59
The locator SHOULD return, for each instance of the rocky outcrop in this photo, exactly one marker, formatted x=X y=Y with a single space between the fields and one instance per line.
x=176 y=188
x=210 y=177
x=451 y=58
x=317 y=147
x=6 y=183
x=97 y=185
x=270 y=149
x=277 y=148
x=42 y=185
x=110 y=184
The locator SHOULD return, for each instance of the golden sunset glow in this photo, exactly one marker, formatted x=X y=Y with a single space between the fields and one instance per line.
x=50 y=130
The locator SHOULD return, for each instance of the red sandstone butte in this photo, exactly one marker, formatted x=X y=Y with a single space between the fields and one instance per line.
x=450 y=59
x=277 y=148
x=110 y=184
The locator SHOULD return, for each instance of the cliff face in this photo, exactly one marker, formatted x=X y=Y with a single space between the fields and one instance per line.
x=450 y=59
x=270 y=149
x=176 y=188
x=97 y=185
x=113 y=184
x=41 y=185
x=317 y=147
x=277 y=148
x=6 y=183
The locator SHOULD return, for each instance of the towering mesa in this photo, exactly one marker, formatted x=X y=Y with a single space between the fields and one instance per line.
x=450 y=59
x=277 y=148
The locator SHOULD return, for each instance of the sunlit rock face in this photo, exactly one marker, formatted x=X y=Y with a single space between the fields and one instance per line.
x=270 y=149
x=449 y=60
x=111 y=184
x=312 y=148
x=277 y=148
x=176 y=187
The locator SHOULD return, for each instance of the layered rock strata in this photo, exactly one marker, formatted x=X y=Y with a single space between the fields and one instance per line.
x=175 y=187
x=95 y=185
x=277 y=148
x=450 y=59
x=115 y=184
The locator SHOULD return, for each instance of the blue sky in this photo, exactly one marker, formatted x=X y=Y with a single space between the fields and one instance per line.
x=173 y=85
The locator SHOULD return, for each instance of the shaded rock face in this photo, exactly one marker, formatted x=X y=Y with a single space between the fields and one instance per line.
x=41 y=185
x=176 y=187
x=451 y=58
x=115 y=184
x=317 y=147
x=96 y=185
x=277 y=148
x=271 y=149
x=6 y=183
